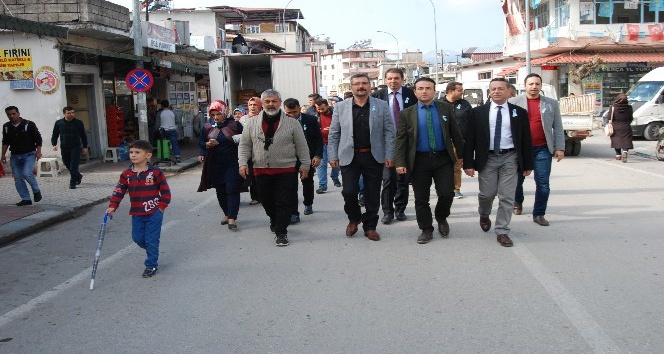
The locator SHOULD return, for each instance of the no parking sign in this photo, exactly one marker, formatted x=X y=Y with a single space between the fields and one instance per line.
x=139 y=80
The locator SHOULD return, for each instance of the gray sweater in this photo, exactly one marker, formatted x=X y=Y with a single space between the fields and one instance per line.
x=288 y=144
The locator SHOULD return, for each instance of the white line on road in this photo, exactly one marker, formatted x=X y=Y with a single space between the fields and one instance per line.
x=203 y=204
x=589 y=329
x=22 y=310
x=612 y=164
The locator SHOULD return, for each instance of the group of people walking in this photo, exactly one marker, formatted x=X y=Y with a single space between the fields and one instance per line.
x=385 y=142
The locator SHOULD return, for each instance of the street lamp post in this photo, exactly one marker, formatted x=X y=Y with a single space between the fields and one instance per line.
x=528 y=67
x=435 y=38
x=283 y=23
x=396 y=40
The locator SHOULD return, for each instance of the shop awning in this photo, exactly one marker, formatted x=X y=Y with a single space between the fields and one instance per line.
x=21 y=25
x=104 y=53
x=615 y=57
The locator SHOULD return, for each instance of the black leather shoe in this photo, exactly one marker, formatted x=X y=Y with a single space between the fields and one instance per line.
x=425 y=237
x=444 y=228
x=37 y=196
x=79 y=179
x=401 y=216
x=72 y=187
x=24 y=202
x=485 y=223
x=540 y=220
x=387 y=218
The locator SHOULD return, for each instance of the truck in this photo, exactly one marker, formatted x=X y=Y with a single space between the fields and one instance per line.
x=235 y=78
x=647 y=100
x=578 y=114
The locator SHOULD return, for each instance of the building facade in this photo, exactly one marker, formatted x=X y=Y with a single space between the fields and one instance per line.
x=338 y=67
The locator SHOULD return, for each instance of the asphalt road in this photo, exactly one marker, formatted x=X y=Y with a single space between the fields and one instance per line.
x=589 y=283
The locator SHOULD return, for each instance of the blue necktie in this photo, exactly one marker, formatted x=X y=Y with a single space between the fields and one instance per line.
x=496 y=135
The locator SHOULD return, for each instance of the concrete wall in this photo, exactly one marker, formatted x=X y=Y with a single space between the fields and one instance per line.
x=63 y=11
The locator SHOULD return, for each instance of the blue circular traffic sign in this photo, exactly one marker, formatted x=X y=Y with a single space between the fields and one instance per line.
x=139 y=80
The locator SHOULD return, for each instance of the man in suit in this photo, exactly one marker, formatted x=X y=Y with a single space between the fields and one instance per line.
x=546 y=129
x=361 y=142
x=497 y=145
x=428 y=144
x=394 y=197
x=454 y=96
x=315 y=143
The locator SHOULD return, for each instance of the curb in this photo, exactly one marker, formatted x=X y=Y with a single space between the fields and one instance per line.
x=53 y=214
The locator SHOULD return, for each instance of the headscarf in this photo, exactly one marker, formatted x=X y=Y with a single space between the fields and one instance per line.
x=217 y=106
x=228 y=127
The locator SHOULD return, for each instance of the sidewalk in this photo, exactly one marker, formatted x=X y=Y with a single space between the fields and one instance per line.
x=61 y=203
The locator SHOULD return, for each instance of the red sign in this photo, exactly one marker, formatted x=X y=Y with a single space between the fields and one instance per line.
x=549 y=67
x=139 y=80
x=632 y=31
x=655 y=32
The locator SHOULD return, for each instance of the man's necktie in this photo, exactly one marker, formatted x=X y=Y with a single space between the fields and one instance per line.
x=496 y=135
x=432 y=135
x=395 y=107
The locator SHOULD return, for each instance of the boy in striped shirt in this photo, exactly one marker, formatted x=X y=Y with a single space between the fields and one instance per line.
x=149 y=196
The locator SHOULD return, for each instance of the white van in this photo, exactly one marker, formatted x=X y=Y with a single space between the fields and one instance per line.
x=647 y=100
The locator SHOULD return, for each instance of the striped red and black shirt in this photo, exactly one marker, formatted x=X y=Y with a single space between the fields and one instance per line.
x=148 y=191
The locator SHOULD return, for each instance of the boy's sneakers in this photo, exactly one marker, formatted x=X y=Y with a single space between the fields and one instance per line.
x=458 y=195
x=282 y=240
x=337 y=183
x=308 y=209
x=149 y=272
x=321 y=190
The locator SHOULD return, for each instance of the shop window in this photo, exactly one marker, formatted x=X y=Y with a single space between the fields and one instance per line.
x=484 y=75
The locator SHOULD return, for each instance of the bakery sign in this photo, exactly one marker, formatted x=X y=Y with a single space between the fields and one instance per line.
x=15 y=64
x=157 y=37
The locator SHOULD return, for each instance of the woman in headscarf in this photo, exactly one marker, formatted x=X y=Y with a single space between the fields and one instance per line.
x=220 y=165
x=621 y=117
x=238 y=112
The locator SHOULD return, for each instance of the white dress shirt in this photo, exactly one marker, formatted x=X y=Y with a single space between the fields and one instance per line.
x=506 y=141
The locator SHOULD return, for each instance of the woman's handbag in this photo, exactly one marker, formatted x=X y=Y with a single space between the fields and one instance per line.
x=608 y=128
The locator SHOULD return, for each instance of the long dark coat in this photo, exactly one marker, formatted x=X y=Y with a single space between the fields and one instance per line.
x=622 y=131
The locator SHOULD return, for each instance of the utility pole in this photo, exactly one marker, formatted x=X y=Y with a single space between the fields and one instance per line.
x=138 y=51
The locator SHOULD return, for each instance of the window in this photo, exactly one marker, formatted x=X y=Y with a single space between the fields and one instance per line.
x=541 y=16
x=614 y=11
x=486 y=75
x=252 y=29
x=562 y=13
x=281 y=27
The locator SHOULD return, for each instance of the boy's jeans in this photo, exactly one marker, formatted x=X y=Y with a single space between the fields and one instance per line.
x=145 y=231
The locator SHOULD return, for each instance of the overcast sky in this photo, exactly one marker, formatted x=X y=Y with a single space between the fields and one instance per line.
x=461 y=23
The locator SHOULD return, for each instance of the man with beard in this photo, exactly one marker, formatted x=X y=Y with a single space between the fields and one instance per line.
x=361 y=142
x=275 y=143
x=394 y=197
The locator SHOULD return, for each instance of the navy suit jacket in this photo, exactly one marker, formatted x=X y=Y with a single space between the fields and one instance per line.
x=408 y=98
x=476 y=147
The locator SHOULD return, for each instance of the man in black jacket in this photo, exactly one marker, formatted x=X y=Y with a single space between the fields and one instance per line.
x=72 y=138
x=315 y=143
x=394 y=197
x=454 y=96
x=23 y=139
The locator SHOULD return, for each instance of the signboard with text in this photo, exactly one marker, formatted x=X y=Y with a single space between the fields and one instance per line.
x=158 y=37
x=15 y=64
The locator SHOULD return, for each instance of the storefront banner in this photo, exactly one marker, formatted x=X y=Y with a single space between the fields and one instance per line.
x=655 y=32
x=47 y=80
x=15 y=64
x=633 y=31
x=593 y=84
x=157 y=37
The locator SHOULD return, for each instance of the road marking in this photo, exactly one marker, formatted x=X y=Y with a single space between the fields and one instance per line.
x=21 y=311
x=204 y=204
x=612 y=164
x=589 y=329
